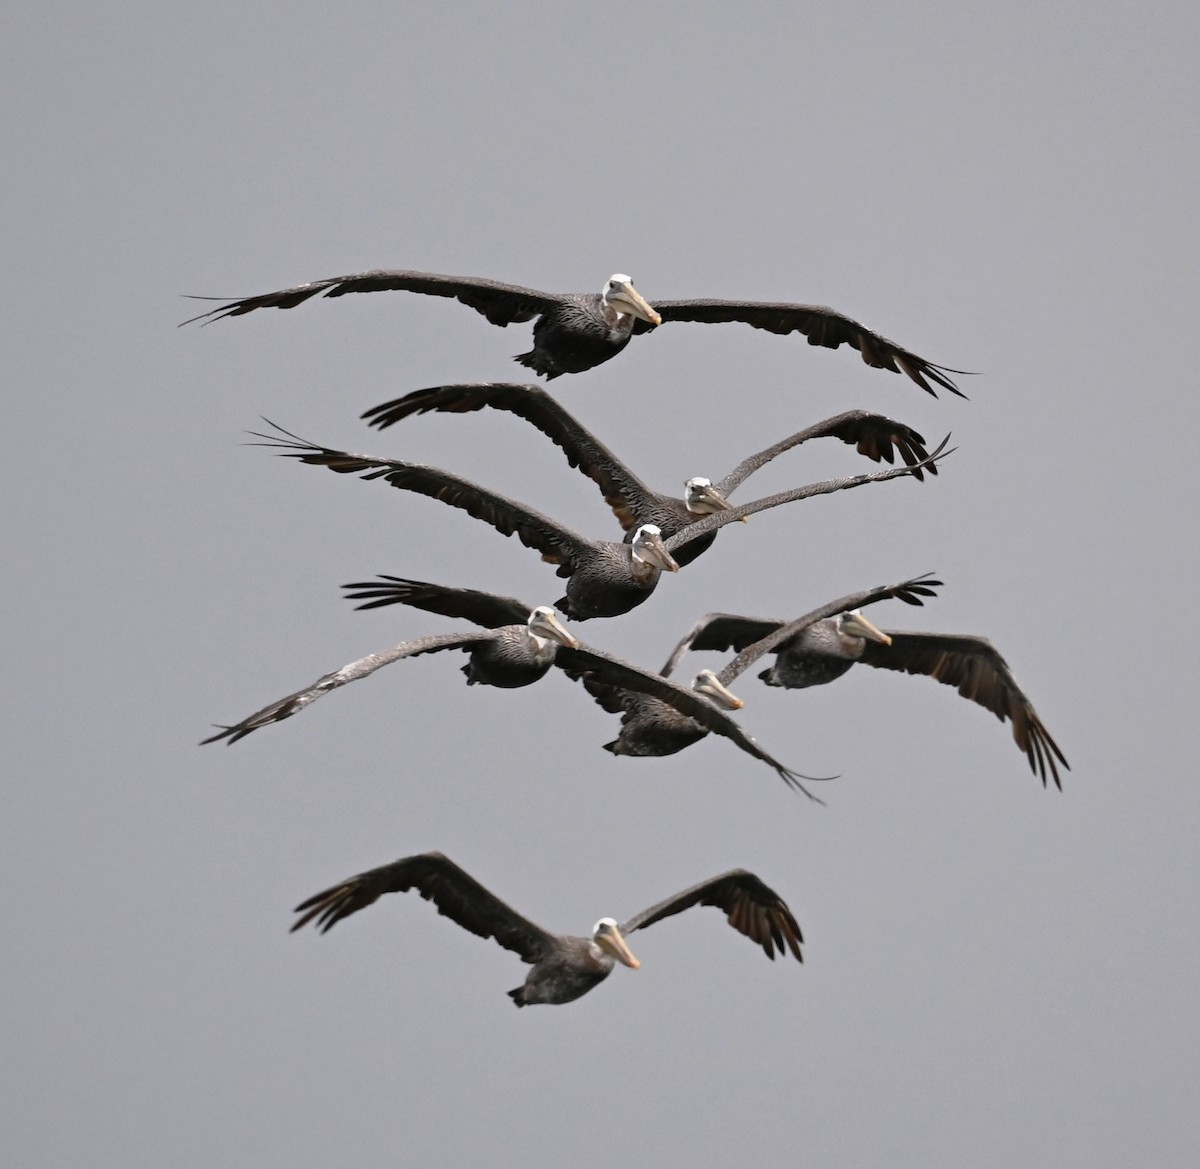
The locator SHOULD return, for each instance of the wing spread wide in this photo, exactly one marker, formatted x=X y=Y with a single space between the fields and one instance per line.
x=720 y=631
x=456 y=894
x=875 y=436
x=910 y=592
x=557 y=544
x=484 y=609
x=710 y=523
x=750 y=906
x=293 y=703
x=623 y=491
x=502 y=304
x=821 y=325
x=975 y=667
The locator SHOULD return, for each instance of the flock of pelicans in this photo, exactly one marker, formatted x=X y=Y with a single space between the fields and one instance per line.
x=515 y=644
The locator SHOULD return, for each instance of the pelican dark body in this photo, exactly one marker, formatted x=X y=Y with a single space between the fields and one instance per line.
x=650 y=727
x=605 y=578
x=825 y=650
x=575 y=331
x=564 y=967
x=632 y=501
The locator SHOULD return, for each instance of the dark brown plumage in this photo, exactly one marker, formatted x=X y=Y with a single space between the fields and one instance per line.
x=575 y=331
x=648 y=728
x=514 y=654
x=508 y=655
x=564 y=967
x=820 y=325
x=819 y=654
x=604 y=578
x=875 y=436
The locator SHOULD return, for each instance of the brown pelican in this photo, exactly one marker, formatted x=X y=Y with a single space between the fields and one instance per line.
x=826 y=649
x=516 y=650
x=564 y=967
x=698 y=529
x=649 y=728
x=633 y=503
x=515 y=653
x=576 y=331
x=604 y=578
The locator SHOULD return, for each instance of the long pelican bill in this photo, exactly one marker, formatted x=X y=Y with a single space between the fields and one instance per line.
x=649 y=546
x=703 y=498
x=708 y=684
x=626 y=299
x=545 y=622
x=858 y=625
x=609 y=939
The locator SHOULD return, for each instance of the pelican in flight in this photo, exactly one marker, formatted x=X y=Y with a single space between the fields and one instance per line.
x=825 y=650
x=648 y=727
x=564 y=968
x=875 y=436
x=604 y=578
x=517 y=646
x=516 y=653
x=576 y=331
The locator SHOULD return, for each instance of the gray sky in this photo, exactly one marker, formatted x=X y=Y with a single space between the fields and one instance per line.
x=994 y=974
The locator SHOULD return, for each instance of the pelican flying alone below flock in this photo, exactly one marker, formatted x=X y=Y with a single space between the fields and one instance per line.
x=576 y=331
x=825 y=650
x=516 y=648
x=564 y=967
x=604 y=578
x=633 y=503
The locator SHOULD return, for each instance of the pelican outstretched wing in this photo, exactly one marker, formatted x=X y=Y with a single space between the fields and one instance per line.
x=874 y=435
x=910 y=592
x=502 y=304
x=821 y=325
x=750 y=906
x=719 y=519
x=725 y=631
x=437 y=878
x=623 y=491
x=362 y=668
x=485 y=609
x=720 y=631
x=975 y=667
x=557 y=544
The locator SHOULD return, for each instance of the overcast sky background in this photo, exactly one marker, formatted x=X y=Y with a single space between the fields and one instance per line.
x=994 y=974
